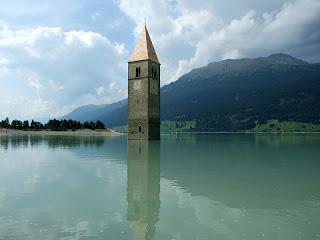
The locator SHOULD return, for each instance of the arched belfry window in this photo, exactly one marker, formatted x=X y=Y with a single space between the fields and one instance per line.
x=138 y=72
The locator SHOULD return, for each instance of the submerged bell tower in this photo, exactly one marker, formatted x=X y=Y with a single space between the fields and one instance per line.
x=144 y=90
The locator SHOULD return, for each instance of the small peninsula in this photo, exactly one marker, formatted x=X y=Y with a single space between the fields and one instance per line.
x=55 y=128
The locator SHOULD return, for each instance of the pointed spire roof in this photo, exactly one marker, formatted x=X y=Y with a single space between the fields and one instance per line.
x=144 y=49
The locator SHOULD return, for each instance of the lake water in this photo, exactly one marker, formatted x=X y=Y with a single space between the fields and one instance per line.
x=220 y=186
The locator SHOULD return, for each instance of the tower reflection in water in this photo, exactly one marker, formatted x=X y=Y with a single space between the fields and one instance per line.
x=143 y=187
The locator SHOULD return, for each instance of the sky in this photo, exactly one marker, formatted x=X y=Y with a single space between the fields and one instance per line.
x=61 y=54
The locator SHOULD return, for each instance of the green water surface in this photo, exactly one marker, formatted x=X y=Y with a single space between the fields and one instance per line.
x=189 y=186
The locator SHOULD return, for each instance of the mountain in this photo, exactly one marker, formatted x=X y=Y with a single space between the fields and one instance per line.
x=95 y=112
x=233 y=95
x=85 y=112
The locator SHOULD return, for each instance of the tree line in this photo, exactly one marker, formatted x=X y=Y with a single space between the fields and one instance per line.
x=52 y=124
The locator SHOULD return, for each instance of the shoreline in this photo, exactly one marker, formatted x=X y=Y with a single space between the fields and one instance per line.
x=82 y=133
x=113 y=133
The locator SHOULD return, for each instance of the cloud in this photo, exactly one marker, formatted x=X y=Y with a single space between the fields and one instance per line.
x=34 y=83
x=46 y=71
x=290 y=30
x=189 y=34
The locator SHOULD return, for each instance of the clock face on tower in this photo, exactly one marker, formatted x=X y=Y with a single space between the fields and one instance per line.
x=137 y=85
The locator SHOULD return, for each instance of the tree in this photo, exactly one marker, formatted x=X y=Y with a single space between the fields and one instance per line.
x=86 y=125
x=36 y=125
x=5 y=123
x=33 y=124
x=52 y=124
x=25 y=124
x=16 y=124
x=99 y=125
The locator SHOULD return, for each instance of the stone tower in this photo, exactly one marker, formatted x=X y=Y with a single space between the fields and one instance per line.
x=144 y=90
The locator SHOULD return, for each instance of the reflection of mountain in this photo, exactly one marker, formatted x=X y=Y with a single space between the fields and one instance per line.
x=244 y=170
x=143 y=187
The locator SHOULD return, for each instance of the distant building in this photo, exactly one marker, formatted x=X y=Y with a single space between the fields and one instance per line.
x=144 y=90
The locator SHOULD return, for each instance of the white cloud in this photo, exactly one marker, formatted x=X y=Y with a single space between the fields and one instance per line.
x=34 y=83
x=47 y=71
x=100 y=90
x=189 y=34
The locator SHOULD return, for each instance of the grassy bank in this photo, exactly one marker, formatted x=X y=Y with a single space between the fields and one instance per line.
x=271 y=126
x=166 y=127
x=286 y=126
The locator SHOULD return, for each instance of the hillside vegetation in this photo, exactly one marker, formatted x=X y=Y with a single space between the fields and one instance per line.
x=286 y=126
x=166 y=127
